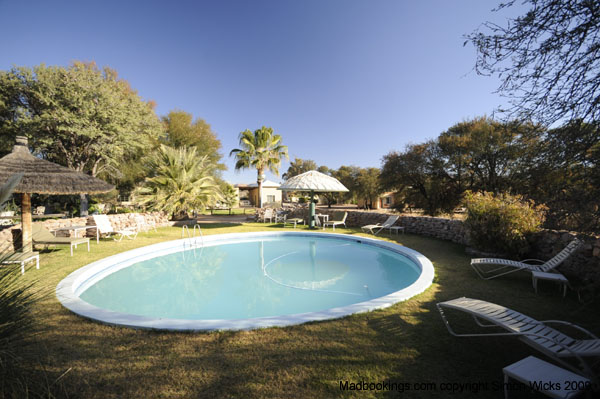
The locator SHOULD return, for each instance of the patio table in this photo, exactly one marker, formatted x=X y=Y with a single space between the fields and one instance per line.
x=79 y=228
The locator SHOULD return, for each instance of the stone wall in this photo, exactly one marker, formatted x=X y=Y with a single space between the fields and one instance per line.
x=118 y=221
x=445 y=229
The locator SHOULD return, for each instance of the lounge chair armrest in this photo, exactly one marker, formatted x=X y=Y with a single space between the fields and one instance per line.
x=575 y=326
x=533 y=261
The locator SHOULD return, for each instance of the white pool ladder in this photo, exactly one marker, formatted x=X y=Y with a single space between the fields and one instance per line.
x=192 y=240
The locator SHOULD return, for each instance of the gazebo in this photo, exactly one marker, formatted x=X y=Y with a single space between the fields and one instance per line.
x=313 y=182
x=43 y=177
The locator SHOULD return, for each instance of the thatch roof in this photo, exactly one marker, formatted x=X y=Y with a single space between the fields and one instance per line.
x=313 y=181
x=43 y=177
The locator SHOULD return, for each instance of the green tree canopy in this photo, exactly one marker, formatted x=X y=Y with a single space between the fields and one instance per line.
x=565 y=175
x=260 y=150
x=80 y=116
x=418 y=173
x=229 y=197
x=368 y=185
x=299 y=166
x=183 y=131
x=485 y=153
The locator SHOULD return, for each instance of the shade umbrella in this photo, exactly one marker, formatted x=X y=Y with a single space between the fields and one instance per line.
x=43 y=177
x=313 y=182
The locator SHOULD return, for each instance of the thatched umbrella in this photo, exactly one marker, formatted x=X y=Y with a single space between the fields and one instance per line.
x=314 y=182
x=43 y=177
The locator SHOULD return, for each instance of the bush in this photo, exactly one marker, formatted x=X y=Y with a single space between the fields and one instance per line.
x=501 y=223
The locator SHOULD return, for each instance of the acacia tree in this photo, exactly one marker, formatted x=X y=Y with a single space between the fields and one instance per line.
x=299 y=166
x=368 y=185
x=484 y=154
x=548 y=59
x=566 y=176
x=348 y=176
x=260 y=150
x=420 y=174
x=80 y=117
x=182 y=130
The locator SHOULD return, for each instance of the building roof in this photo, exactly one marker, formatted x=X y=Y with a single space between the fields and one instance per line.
x=265 y=184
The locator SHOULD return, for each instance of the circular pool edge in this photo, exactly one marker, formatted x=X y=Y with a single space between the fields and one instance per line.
x=66 y=290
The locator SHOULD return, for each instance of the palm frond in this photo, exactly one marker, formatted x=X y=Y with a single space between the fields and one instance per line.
x=182 y=181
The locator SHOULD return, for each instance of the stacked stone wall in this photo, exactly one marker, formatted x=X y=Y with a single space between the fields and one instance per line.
x=443 y=228
x=119 y=221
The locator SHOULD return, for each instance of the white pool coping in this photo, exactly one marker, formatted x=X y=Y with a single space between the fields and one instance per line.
x=69 y=288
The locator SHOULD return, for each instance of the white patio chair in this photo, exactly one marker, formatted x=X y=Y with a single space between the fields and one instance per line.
x=268 y=214
x=339 y=219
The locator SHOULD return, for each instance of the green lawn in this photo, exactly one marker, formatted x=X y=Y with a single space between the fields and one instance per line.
x=406 y=343
x=233 y=211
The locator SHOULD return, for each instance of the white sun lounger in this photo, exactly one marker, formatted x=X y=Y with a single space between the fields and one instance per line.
x=500 y=267
x=143 y=224
x=376 y=228
x=537 y=334
x=105 y=228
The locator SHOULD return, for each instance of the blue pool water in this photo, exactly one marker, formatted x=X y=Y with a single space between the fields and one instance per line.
x=248 y=279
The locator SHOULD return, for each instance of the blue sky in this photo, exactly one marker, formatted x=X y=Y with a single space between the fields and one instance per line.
x=343 y=81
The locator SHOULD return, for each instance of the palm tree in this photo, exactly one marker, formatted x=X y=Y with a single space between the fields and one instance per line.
x=180 y=181
x=261 y=150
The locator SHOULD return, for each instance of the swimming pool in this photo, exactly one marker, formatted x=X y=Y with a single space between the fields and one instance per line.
x=245 y=280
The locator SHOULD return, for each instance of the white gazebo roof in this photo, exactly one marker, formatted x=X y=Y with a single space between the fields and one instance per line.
x=313 y=181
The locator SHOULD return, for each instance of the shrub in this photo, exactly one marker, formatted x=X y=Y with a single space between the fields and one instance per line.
x=501 y=223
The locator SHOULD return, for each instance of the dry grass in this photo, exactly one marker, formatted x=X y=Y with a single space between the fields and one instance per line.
x=405 y=343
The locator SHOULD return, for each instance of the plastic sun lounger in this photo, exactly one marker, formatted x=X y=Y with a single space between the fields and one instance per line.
x=42 y=236
x=386 y=225
x=506 y=266
x=144 y=225
x=105 y=228
x=537 y=334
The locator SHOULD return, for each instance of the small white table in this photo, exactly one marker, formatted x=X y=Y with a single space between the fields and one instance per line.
x=293 y=220
x=555 y=382
x=324 y=216
x=79 y=228
x=396 y=229
x=557 y=277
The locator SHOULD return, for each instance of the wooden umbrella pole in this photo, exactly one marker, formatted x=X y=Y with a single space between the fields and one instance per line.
x=26 y=227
